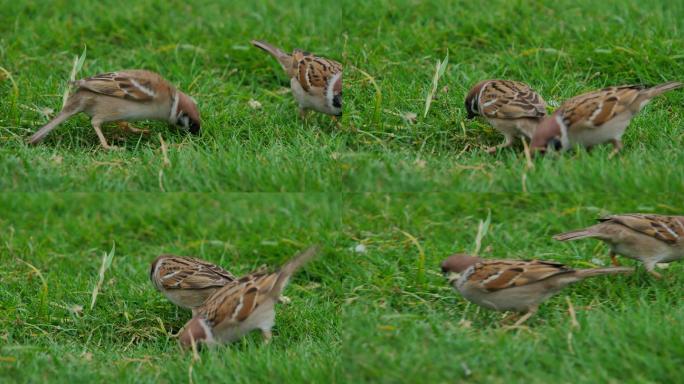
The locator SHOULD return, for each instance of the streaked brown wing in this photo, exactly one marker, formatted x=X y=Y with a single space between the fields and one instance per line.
x=133 y=85
x=178 y=272
x=237 y=300
x=593 y=109
x=500 y=274
x=504 y=99
x=313 y=71
x=669 y=229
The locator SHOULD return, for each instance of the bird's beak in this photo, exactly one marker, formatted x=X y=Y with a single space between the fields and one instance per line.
x=452 y=277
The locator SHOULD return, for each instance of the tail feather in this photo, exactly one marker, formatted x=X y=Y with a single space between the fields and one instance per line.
x=604 y=271
x=283 y=58
x=47 y=128
x=574 y=235
x=291 y=267
x=662 y=88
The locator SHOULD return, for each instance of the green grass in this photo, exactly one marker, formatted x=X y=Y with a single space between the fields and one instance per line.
x=385 y=315
x=562 y=48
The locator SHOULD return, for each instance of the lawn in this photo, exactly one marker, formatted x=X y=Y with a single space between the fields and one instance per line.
x=380 y=312
x=389 y=49
x=388 y=196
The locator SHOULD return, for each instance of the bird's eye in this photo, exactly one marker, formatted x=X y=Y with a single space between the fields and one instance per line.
x=556 y=144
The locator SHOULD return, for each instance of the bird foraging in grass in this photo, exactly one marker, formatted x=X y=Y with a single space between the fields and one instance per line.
x=242 y=306
x=316 y=82
x=649 y=238
x=187 y=281
x=596 y=117
x=126 y=96
x=514 y=285
x=511 y=107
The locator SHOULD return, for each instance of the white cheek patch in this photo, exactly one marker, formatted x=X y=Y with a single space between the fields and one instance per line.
x=565 y=141
x=479 y=96
x=330 y=89
x=174 y=108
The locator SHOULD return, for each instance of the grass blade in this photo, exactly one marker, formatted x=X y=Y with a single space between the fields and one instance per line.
x=420 y=275
x=43 y=288
x=106 y=263
x=482 y=229
x=78 y=64
x=439 y=72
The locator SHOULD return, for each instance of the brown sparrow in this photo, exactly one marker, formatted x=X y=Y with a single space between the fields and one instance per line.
x=511 y=107
x=241 y=306
x=126 y=96
x=187 y=281
x=650 y=239
x=316 y=82
x=595 y=117
x=513 y=285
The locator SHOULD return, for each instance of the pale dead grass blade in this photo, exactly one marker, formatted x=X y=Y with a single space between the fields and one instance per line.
x=78 y=64
x=439 y=72
x=482 y=229
x=106 y=263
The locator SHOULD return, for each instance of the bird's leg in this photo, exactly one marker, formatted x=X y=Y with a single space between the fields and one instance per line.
x=336 y=121
x=613 y=259
x=303 y=112
x=654 y=273
x=509 y=317
x=126 y=126
x=524 y=318
x=530 y=311
x=508 y=141
x=267 y=335
x=650 y=268
x=96 y=125
x=617 y=146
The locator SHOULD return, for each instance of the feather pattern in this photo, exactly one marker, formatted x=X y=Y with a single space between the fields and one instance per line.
x=237 y=300
x=494 y=275
x=669 y=229
x=594 y=109
x=139 y=85
x=316 y=82
x=181 y=272
x=596 y=117
x=505 y=99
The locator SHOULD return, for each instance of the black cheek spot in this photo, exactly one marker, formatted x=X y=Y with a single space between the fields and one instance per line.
x=337 y=101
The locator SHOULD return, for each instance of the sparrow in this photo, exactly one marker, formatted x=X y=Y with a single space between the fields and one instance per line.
x=126 y=96
x=595 y=117
x=316 y=82
x=187 y=281
x=513 y=285
x=511 y=107
x=241 y=306
x=648 y=238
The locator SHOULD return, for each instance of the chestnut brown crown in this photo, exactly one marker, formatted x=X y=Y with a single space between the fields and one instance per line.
x=459 y=262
